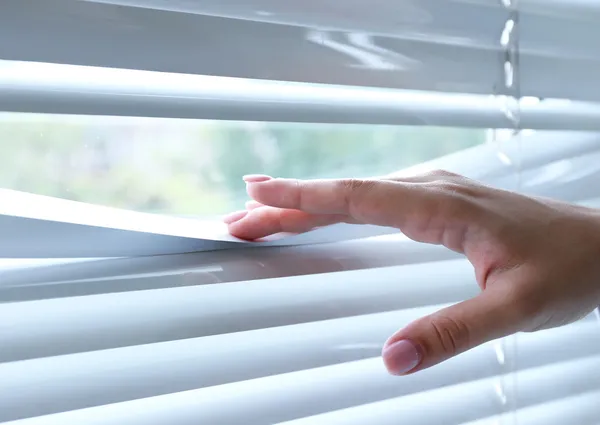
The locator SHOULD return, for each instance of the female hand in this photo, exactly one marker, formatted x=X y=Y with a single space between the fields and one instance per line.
x=537 y=261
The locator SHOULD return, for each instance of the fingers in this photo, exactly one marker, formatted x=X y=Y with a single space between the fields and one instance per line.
x=261 y=221
x=272 y=220
x=429 y=209
x=436 y=212
x=451 y=331
x=380 y=202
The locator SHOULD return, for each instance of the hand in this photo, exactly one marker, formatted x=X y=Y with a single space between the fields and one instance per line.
x=537 y=261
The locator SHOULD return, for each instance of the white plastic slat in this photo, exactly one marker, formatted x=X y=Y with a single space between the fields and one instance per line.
x=201 y=268
x=538 y=21
x=391 y=44
x=455 y=58
x=66 y=325
x=104 y=377
x=27 y=280
x=497 y=163
x=453 y=405
x=38 y=226
x=101 y=377
x=356 y=16
x=336 y=18
x=471 y=401
x=571 y=78
x=554 y=114
x=567 y=179
x=52 y=88
x=581 y=409
x=583 y=9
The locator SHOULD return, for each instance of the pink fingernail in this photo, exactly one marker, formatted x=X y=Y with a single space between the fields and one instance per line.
x=256 y=178
x=401 y=357
x=234 y=216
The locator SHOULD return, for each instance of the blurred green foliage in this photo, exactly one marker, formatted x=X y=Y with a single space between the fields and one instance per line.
x=195 y=167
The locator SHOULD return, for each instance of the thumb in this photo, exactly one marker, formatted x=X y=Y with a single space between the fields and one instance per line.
x=451 y=331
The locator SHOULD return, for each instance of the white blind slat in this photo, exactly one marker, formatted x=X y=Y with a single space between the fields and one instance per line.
x=470 y=401
x=36 y=226
x=412 y=54
x=66 y=325
x=581 y=9
x=488 y=163
x=225 y=266
x=104 y=377
x=58 y=278
x=254 y=47
x=333 y=16
x=454 y=404
x=577 y=410
x=52 y=88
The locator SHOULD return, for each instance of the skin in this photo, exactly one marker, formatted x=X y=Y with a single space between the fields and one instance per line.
x=537 y=261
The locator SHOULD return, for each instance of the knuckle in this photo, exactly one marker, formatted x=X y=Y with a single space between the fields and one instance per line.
x=451 y=335
x=354 y=191
x=450 y=187
x=457 y=188
x=442 y=173
x=353 y=185
x=299 y=194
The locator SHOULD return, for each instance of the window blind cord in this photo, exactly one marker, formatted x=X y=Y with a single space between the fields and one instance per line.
x=509 y=41
x=508 y=89
x=507 y=387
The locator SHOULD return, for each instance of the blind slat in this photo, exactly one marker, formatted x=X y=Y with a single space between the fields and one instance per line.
x=581 y=9
x=470 y=401
x=252 y=48
x=69 y=90
x=104 y=377
x=454 y=404
x=51 y=88
x=225 y=266
x=57 y=279
x=66 y=325
x=581 y=409
x=36 y=226
x=410 y=53
x=559 y=165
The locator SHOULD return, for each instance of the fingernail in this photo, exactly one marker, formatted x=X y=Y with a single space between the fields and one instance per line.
x=234 y=216
x=401 y=357
x=256 y=178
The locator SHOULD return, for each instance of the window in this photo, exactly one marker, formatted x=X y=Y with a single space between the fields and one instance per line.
x=160 y=107
x=194 y=167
